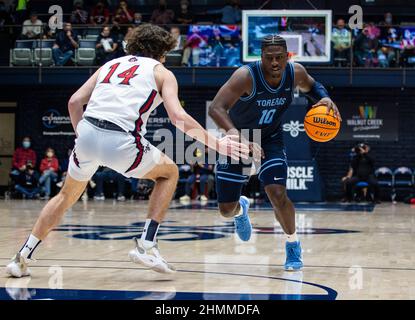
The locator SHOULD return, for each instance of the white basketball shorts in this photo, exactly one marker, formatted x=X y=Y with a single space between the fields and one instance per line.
x=121 y=151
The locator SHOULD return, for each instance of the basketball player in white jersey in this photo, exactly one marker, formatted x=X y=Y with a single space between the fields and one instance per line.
x=120 y=97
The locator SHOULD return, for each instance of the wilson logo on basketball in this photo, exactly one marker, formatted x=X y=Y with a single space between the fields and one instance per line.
x=324 y=121
x=320 y=125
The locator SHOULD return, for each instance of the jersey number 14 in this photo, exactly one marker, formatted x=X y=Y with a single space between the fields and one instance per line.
x=127 y=75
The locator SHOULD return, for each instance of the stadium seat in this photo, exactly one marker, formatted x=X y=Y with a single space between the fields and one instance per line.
x=384 y=175
x=85 y=55
x=21 y=55
x=361 y=186
x=43 y=52
x=403 y=182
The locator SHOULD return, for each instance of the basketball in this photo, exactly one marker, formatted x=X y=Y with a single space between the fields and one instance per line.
x=319 y=125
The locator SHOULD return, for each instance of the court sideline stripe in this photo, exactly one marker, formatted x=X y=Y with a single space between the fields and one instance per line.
x=213 y=263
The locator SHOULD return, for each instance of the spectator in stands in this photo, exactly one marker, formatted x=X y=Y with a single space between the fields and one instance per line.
x=106 y=46
x=100 y=15
x=231 y=12
x=65 y=44
x=389 y=39
x=32 y=28
x=185 y=16
x=342 y=41
x=63 y=167
x=107 y=175
x=27 y=183
x=124 y=40
x=22 y=156
x=138 y=19
x=202 y=171
x=175 y=31
x=366 y=46
x=49 y=167
x=123 y=15
x=20 y=11
x=362 y=169
x=162 y=15
x=79 y=15
x=141 y=188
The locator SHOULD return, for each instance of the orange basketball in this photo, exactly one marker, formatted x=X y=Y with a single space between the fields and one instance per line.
x=319 y=125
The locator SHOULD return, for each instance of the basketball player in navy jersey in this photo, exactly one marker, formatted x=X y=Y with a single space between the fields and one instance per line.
x=256 y=97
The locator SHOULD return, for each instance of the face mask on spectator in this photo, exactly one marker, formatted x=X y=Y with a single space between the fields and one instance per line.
x=26 y=144
x=388 y=20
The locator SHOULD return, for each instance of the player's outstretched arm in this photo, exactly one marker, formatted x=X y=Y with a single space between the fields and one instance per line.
x=314 y=90
x=168 y=89
x=80 y=98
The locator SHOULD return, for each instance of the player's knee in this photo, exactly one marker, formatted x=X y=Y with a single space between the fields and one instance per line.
x=278 y=195
x=227 y=210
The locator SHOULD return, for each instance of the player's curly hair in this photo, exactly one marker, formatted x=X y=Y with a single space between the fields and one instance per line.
x=151 y=41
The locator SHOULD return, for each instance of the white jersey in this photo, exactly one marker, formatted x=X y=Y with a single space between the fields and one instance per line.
x=125 y=93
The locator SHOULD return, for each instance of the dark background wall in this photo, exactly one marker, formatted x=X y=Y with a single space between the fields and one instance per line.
x=332 y=157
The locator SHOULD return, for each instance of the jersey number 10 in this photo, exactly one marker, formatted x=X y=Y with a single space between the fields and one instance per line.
x=267 y=116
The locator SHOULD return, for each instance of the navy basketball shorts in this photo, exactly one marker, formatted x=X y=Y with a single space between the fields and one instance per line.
x=231 y=177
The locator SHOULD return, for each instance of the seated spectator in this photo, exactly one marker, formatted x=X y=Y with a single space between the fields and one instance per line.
x=49 y=167
x=32 y=28
x=99 y=15
x=22 y=156
x=124 y=40
x=65 y=44
x=27 y=183
x=389 y=37
x=20 y=11
x=204 y=172
x=63 y=167
x=141 y=188
x=107 y=175
x=362 y=169
x=231 y=12
x=185 y=16
x=342 y=41
x=138 y=19
x=79 y=15
x=366 y=46
x=175 y=31
x=106 y=46
x=123 y=15
x=162 y=15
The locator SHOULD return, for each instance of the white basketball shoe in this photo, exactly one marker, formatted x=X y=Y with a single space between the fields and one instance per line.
x=17 y=268
x=150 y=258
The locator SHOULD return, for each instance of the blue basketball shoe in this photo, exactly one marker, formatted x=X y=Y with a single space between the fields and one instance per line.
x=242 y=223
x=293 y=261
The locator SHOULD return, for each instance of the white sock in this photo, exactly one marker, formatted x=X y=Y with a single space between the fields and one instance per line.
x=292 y=237
x=239 y=213
x=29 y=247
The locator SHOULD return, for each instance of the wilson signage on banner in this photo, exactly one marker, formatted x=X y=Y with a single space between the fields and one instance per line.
x=369 y=121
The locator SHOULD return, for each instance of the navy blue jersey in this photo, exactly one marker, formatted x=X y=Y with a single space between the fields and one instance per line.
x=264 y=107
